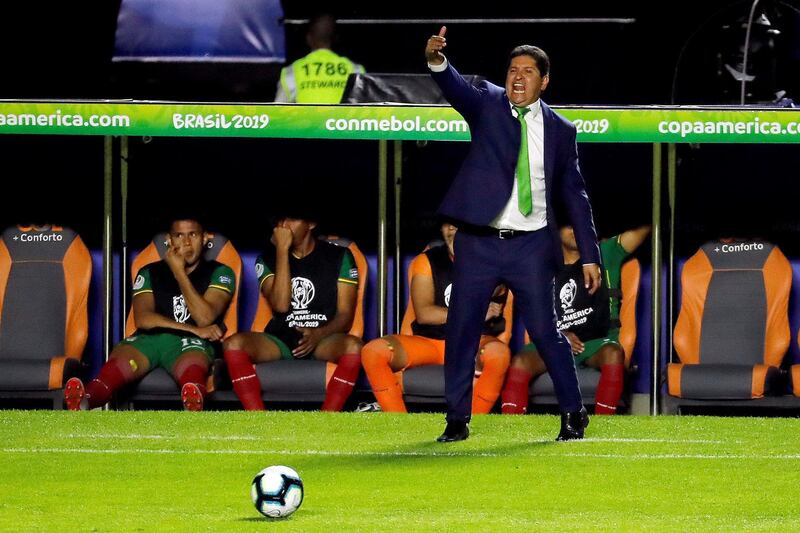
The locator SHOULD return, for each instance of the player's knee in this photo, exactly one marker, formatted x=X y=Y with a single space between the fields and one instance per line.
x=530 y=362
x=233 y=350
x=518 y=361
x=353 y=344
x=496 y=356
x=376 y=353
x=234 y=342
x=613 y=354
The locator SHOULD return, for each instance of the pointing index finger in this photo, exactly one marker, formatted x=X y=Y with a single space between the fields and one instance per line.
x=442 y=31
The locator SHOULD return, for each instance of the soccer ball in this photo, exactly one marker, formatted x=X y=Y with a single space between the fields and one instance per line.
x=277 y=491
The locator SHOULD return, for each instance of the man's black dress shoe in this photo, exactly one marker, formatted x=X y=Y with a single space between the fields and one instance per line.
x=573 y=424
x=454 y=431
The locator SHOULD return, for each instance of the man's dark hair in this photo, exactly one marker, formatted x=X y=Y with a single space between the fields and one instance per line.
x=194 y=217
x=322 y=28
x=539 y=55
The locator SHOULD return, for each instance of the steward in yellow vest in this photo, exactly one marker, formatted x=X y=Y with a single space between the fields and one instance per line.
x=320 y=76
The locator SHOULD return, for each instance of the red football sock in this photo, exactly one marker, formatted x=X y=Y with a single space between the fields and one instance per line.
x=342 y=382
x=114 y=374
x=609 y=389
x=194 y=373
x=244 y=378
x=515 y=391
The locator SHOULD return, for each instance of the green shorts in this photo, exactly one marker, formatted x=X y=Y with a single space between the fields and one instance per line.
x=163 y=349
x=286 y=352
x=590 y=347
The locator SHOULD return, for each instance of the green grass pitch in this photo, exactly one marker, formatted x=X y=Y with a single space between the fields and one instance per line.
x=165 y=471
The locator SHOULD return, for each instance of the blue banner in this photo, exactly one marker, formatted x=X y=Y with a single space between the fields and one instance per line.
x=200 y=30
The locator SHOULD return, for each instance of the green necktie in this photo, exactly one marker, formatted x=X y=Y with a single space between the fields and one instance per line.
x=524 y=196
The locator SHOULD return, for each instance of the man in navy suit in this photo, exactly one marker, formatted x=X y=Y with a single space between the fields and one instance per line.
x=522 y=163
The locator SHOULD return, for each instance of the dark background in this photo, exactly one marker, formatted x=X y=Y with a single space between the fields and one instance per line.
x=64 y=51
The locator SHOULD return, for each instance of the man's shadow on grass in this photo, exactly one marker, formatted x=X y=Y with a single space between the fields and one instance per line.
x=426 y=450
x=473 y=447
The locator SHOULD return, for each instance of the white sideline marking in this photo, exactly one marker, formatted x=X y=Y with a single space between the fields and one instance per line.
x=248 y=452
x=668 y=441
x=676 y=456
x=645 y=456
x=255 y=438
x=164 y=437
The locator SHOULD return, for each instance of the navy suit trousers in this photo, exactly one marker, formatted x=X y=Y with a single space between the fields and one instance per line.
x=527 y=265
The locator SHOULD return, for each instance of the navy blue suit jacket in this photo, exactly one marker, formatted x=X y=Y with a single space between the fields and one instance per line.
x=482 y=186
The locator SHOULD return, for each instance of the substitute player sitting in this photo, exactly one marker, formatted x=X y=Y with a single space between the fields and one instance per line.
x=431 y=275
x=589 y=321
x=312 y=287
x=179 y=304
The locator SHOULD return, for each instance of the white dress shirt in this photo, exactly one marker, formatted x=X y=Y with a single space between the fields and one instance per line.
x=510 y=217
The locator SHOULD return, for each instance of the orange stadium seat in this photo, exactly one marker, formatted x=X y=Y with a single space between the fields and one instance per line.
x=541 y=389
x=306 y=380
x=159 y=384
x=45 y=273
x=630 y=279
x=732 y=332
x=796 y=375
